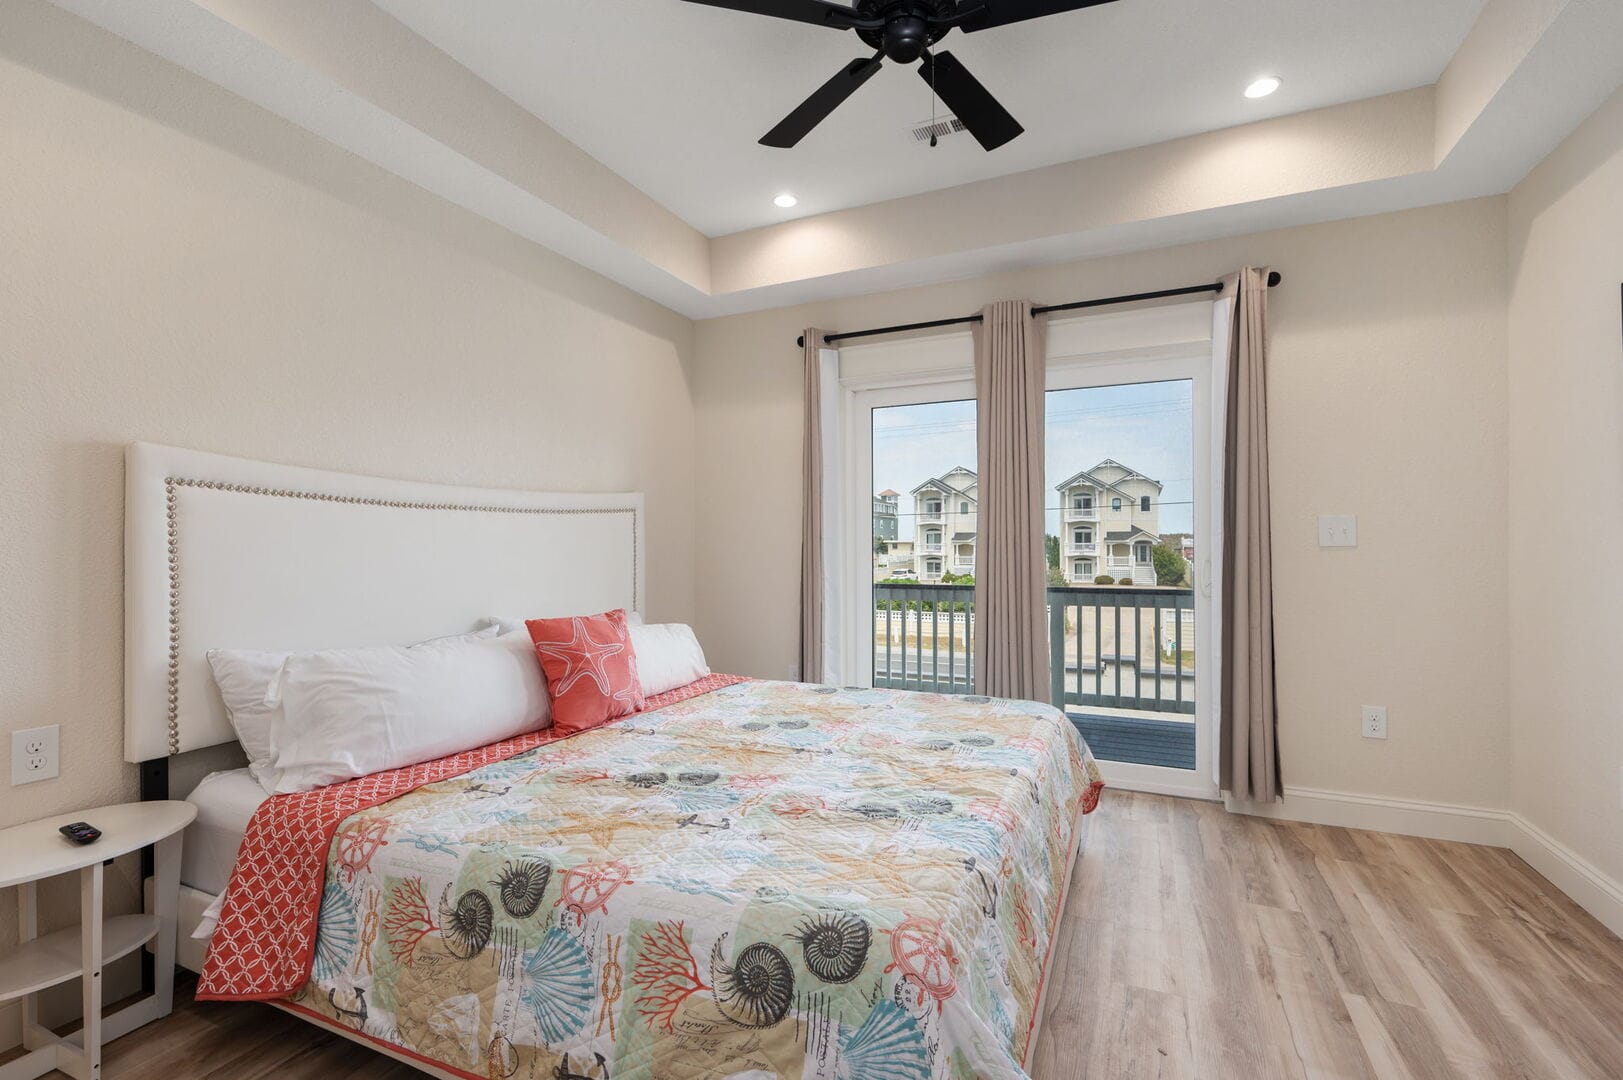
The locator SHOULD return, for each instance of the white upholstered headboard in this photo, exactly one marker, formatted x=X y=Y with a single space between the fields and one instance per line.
x=221 y=552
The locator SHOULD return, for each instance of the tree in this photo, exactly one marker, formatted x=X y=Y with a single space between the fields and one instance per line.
x=880 y=545
x=1056 y=573
x=1170 y=566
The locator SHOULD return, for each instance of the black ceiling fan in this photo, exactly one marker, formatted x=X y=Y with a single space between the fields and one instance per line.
x=905 y=31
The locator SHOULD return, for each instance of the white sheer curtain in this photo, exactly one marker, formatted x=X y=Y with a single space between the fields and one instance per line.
x=821 y=593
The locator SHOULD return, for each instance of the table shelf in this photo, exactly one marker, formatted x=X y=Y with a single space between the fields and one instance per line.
x=56 y=958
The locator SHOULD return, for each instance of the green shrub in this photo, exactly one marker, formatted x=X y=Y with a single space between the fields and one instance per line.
x=1104 y=579
x=1125 y=581
x=1170 y=566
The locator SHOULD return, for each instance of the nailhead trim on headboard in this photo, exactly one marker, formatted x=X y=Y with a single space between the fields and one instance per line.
x=170 y=483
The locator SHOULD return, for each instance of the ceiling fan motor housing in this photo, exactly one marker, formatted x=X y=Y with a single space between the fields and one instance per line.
x=911 y=26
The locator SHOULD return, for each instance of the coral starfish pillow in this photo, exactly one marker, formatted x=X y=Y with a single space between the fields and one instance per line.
x=590 y=667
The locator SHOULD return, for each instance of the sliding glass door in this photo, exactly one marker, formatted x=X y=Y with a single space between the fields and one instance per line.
x=1128 y=549
x=1127 y=485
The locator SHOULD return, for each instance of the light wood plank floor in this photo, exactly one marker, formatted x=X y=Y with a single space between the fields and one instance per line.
x=1200 y=944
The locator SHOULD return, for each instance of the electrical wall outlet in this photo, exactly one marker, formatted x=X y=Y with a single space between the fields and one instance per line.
x=35 y=754
x=1338 y=530
x=1373 y=724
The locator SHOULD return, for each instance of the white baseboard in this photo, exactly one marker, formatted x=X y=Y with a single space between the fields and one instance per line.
x=1582 y=881
x=1406 y=817
x=1589 y=888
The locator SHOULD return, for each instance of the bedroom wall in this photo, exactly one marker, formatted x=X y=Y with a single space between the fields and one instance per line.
x=181 y=267
x=1566 y=492
x=1387 y=398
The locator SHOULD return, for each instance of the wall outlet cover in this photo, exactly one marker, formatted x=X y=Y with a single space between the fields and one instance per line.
x=1372 y=722
x=35 y=754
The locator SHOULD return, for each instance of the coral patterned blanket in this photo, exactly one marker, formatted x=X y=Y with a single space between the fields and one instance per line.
x=766 y=879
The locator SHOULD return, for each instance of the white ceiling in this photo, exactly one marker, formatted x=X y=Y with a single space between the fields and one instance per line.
x=673 y=96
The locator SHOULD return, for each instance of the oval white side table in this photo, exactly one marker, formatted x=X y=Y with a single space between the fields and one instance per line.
x=35 y=851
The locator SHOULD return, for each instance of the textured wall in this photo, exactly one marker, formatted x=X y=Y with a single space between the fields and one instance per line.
x=1387 y=400
x=180 y=267
x=1566 y=490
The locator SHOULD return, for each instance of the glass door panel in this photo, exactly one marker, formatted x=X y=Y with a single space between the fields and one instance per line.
x=924 y=509
x=1120 y=522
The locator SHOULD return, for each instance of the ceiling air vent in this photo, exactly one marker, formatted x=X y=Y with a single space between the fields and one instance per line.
x=949 y=125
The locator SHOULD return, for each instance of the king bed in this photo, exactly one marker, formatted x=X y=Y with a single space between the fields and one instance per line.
x=743 y=878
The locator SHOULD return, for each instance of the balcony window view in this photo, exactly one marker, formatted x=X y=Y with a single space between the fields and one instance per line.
x=1120 y=545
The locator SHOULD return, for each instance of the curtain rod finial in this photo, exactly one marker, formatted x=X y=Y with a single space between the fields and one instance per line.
x=1274 y=278
x=800 y=342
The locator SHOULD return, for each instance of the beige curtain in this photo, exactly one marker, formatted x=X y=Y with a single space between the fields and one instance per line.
x=811 y=522
x=1011 y=574
x=1248 y=751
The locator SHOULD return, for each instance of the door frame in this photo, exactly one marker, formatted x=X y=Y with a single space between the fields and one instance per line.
x=1191 y=362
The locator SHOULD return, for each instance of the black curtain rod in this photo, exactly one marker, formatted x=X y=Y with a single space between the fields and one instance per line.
x=1187 y=290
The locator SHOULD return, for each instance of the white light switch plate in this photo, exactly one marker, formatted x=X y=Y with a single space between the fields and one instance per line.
x=35 y=754
x=1338 y=530
x=1373 y=721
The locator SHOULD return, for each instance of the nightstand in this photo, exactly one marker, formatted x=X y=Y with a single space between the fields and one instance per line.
x=35 y=851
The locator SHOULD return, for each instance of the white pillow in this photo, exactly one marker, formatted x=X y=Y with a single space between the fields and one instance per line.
x=351 y=712
x=246 y=679
x=503 y=625
x=668 y=656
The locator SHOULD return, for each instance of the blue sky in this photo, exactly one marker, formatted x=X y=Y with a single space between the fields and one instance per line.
x=1145 y=426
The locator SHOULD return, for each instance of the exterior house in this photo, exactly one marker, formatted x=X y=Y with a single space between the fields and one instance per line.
x=945 y=511
x=1109 y=522
x=896 y=557
x=893 y=552
x=886 y=512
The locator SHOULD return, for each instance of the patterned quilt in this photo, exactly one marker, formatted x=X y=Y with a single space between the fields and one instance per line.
x=767 y=880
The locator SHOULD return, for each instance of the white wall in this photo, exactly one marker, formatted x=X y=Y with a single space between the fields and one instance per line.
x=181 y=267
x=1566 y=492
x=1387 y=399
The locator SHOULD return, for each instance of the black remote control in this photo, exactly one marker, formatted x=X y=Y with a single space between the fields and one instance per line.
x=81 y=832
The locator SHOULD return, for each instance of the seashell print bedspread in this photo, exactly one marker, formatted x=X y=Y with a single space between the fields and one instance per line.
x=768 y=880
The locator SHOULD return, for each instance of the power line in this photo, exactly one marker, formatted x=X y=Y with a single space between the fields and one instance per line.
x=1178 y=406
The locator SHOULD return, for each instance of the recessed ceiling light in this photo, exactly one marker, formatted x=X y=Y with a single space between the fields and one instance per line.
x=1262 y=87
x=785 y=200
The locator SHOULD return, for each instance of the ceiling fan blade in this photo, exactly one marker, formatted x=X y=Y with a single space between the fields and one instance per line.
x=971 y=102
x=1003 y=12
x=816 y=12
x=824 y=100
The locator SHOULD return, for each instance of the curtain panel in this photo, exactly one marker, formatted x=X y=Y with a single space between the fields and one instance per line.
x=1011 y=570
x=1248 y=753
x=813 y=631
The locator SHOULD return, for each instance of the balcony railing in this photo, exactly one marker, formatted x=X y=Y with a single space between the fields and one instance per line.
x=1074 y=548
x=1109 y=647
x=1081 y=513
x=930 y=516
